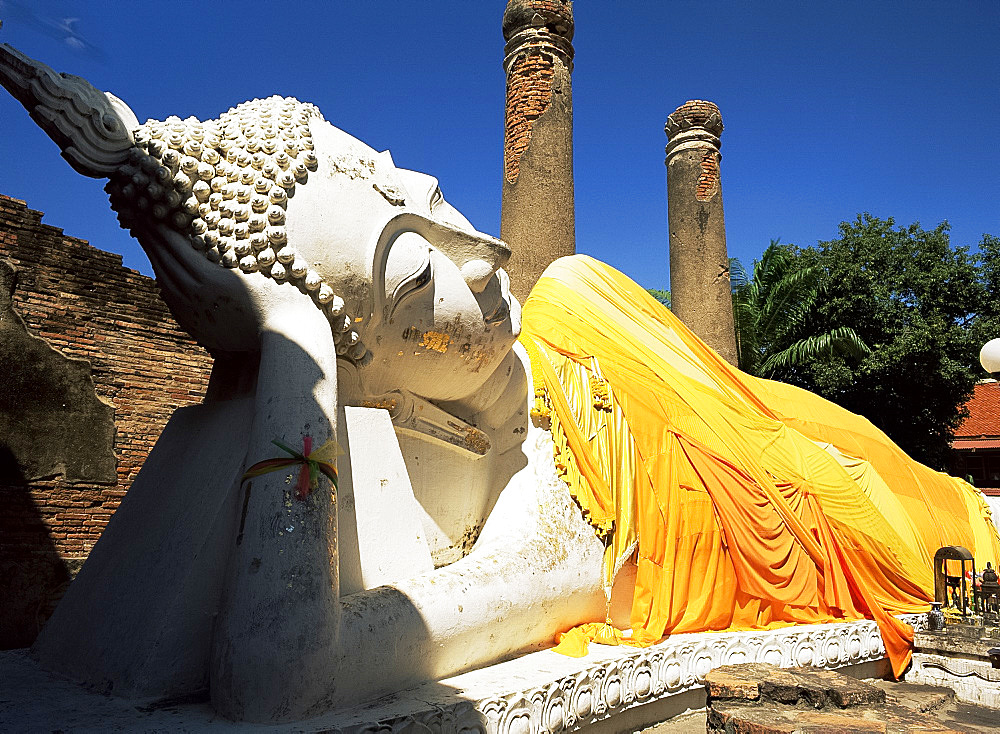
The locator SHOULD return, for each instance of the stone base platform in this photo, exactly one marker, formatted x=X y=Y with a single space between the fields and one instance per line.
x=959 y=657
x=611 y=689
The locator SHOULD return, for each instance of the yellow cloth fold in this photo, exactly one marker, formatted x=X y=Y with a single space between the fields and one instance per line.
x=747 y=504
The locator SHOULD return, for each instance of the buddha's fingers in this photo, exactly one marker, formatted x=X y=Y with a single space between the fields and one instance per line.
x=176 y=277
x=179 y=248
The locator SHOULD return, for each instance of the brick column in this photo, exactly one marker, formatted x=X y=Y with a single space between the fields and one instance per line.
x=700 y=292
x=536 y=215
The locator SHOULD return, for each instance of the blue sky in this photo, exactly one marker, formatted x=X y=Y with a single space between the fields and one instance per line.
x=830 y=108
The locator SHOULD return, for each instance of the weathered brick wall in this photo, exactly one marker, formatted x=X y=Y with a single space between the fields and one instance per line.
x=708 y=180
x=529 y=90
x=86 y=305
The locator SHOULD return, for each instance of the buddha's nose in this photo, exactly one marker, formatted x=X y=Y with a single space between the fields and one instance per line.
x=477 y=255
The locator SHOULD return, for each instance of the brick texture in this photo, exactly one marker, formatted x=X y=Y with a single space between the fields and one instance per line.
x=529 y=91
x=708 y=179
x=554 y=15
x=86 y=305
x=697 y=113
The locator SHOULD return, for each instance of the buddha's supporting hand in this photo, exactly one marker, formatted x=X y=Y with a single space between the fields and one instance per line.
x=279 y=615
x=227 y=310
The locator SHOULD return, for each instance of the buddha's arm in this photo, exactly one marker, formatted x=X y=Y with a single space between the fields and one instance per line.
x=538 y=572
x=478 y=611
x=279 y=613
x=511 y=596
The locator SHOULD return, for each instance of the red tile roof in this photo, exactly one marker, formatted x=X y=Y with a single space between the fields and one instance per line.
x=984 y=412
x=976 y=443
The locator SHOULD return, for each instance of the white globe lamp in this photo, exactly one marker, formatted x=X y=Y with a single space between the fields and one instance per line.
x=989 y=356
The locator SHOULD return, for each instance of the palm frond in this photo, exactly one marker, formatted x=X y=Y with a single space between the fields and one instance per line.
x=842 y=341
x=772 y=305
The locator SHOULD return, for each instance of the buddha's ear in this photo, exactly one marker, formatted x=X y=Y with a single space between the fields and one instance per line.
x=349 y=380
x=92 y=129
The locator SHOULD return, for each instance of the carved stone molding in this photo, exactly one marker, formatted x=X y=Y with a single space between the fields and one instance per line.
x=974 y=681
x=960 y=667
x=634 y=677
x=695 y=124
x=538 y=27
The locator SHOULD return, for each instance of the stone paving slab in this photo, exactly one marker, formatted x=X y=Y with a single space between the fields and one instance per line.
x=741 y=719
x=916 y=696
x=763 y=699
x=766 y=683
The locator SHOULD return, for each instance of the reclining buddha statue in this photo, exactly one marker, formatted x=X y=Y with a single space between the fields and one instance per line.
x=585 y=469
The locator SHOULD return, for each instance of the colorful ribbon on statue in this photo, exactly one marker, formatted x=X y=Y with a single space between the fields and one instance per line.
x=311 y=463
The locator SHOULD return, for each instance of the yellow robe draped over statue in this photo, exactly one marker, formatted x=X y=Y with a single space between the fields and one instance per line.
x=745 y=503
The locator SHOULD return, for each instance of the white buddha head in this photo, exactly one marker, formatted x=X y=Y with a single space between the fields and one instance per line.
x=414 y=294
x=426 y=289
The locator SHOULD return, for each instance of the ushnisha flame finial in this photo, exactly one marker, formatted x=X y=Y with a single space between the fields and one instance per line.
x=91 y=128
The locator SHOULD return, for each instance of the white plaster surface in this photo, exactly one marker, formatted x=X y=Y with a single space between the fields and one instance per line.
x=539 y=692
x=379 y=533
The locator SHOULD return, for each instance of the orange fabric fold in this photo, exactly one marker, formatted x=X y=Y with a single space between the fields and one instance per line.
x=744 y=503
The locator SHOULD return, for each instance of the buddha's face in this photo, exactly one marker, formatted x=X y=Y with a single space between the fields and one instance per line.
x=425 y=288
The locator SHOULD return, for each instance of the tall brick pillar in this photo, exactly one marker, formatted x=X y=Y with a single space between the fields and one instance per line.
x=536 y=215
x=700 y=293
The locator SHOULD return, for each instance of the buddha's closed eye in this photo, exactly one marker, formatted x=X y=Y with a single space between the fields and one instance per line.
x=408 y=269
x=443 y=211
x=437 y=198
x=501 y=312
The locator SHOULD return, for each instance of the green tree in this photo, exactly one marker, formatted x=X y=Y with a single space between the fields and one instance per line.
x=915 y=300
x=660 y=295
x=987 y=324
x=772 y=307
